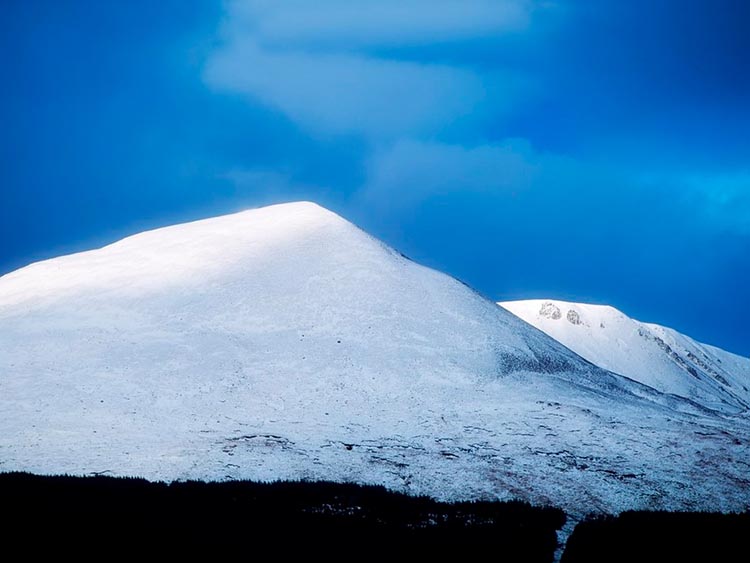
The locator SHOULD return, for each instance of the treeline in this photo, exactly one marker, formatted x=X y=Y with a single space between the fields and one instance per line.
x=256 y=521
x=107 y=517
x=646 y=537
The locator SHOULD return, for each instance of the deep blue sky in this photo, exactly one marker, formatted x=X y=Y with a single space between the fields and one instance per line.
x=592 y=151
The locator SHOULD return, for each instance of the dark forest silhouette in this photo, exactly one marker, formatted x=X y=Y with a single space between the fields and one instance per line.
x=102 y=516
x=661 y=537
x=303 y=520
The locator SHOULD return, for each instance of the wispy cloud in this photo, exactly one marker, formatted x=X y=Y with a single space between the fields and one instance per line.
x=411 y=171
x=347 y=25
x=724 y=200
x=326 y=64
x=343 y=93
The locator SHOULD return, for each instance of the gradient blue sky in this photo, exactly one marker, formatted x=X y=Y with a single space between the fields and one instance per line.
x=591 y=151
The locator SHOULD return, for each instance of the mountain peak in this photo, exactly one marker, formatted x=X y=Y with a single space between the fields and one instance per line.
x=657 y=356
x=294 y=211
x=286 y=343
x=182 y=254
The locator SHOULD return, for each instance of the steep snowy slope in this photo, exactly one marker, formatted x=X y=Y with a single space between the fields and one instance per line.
x=284 y=342
x=654 y=355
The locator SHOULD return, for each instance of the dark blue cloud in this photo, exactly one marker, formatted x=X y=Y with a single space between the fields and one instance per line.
x=573 y=149
x=646 y=82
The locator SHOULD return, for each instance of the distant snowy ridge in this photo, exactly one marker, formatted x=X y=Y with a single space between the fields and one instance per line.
x=286 y=343
x=654 y=355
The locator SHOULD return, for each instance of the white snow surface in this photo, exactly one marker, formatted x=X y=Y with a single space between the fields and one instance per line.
x=285 y=343
x=651 y=354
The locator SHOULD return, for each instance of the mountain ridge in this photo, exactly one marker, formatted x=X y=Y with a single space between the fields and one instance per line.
x=657 y=356
x=286 y=343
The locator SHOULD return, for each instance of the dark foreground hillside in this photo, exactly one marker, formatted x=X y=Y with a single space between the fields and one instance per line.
x=308 y=520
x=646 y=537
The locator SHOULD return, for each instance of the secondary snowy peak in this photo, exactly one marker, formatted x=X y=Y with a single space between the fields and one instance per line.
x=651 y=354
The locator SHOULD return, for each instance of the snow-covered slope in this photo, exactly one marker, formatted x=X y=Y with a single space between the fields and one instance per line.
x=654 y=355
x=284 y=342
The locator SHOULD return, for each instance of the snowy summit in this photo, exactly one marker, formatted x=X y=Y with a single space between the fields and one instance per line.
x=655 y=355
x=285 y=343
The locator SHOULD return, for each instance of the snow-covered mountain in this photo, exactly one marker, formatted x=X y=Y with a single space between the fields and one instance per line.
x=651 y=354
x=284 y=343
